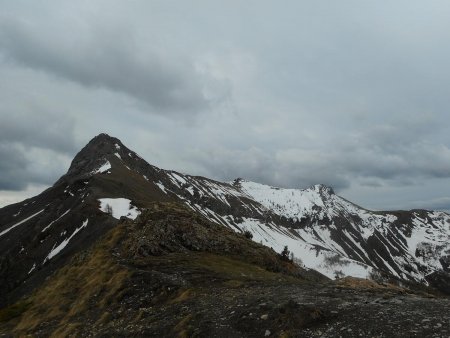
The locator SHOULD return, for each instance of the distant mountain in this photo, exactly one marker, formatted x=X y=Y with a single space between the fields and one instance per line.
x=107 y=181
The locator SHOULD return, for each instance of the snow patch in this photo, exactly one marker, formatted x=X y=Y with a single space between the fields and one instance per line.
x=120 y=207
x=56 y=250
x=290 y=203
x=56 y=220
x=19 y=223
x=32 y=268
x=162 y=187
x=105 y=167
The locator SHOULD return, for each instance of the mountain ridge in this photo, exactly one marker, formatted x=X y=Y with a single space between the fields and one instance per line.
x=324 y=231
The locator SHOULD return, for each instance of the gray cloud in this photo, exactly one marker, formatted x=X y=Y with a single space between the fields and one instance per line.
x=396 y=152
x=23 y=166
x=35 y=143
x=39 y=129
x=441 y=203
x=13 y=175
x=110 y=58
x=353 y=95
x=379 y=156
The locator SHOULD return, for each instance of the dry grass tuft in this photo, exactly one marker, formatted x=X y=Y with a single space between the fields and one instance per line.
x=367 y=284
x=182 y=328
x=183 y=296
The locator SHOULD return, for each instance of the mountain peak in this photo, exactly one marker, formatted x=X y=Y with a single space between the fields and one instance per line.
x=237 y=181
x=95 y=153
x=103 y=139
x=322 y=188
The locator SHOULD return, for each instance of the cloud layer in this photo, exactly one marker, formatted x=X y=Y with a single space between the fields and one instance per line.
x=110 y=59
x=353 y=95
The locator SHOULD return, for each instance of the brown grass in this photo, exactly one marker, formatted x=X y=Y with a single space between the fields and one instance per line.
x=76 y=288
x=183 y=296
x=235 y=269
x=14 y=311
x=105 y=317
x=182 y=328
x=367 y=284
x=232 y=283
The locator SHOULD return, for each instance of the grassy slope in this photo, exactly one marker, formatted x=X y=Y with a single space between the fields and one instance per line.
x=161 y=261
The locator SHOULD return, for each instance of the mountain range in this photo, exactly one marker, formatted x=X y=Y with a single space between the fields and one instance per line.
x=108 y=185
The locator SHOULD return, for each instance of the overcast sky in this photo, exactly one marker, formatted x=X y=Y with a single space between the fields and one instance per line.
x=352 y=94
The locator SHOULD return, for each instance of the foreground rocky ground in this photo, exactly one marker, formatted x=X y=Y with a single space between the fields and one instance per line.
x=172 y=273
x=305 y=310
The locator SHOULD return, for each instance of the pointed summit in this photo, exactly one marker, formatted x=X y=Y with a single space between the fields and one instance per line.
x=94 y=154
x=324 y=189
x=101 y=144
x=103 y=138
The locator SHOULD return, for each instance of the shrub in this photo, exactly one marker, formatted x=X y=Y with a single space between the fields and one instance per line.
x=376 y=276
x=248 y=234
x=286 y=254
x=338 y=274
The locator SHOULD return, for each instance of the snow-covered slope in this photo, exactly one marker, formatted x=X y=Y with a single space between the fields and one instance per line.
x=408 y=247
x=323 y=230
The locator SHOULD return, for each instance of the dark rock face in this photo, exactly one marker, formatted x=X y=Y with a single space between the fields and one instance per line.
x=93 y=155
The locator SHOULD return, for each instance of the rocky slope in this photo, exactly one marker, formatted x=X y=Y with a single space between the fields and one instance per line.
x=325 y=232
